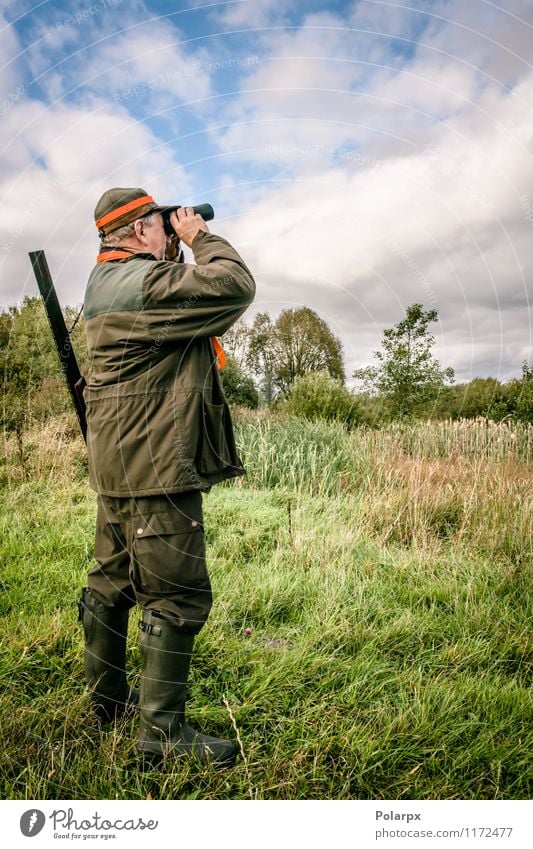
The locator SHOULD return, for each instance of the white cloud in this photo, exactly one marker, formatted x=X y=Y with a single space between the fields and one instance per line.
x=255 y=13
x=324 y=84
x=142 y=66
x=9 y=78
x=494 y=38
x=306 y=90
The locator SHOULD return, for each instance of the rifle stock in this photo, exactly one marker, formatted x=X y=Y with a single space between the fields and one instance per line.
x=67 y=357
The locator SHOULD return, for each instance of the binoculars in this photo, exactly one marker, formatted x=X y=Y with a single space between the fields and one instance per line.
x=204 y=209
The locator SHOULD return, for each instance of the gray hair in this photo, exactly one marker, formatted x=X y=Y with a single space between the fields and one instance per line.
x=117 y=236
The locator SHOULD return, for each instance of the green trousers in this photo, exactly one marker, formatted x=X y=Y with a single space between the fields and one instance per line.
x=151 y=551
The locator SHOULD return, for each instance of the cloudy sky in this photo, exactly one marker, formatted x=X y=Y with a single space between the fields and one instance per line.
x=362 y=156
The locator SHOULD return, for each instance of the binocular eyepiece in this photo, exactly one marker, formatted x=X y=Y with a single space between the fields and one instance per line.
x=204 y=209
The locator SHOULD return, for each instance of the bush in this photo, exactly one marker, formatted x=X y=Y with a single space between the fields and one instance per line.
x=319 y=396
x=488 y=398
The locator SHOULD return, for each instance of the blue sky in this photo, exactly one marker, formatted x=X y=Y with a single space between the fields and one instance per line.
x=361 y=155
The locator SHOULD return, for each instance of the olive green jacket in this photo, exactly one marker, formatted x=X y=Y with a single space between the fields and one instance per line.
x=156 y=415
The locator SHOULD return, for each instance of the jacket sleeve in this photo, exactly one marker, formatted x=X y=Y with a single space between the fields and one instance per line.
x=182 y=301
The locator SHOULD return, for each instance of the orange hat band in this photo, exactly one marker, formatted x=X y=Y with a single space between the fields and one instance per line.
x=122 y=210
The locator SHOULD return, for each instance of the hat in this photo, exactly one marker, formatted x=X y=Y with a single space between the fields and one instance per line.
x=118 y=207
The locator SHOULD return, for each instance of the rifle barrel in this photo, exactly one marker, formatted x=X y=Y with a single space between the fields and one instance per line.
x=67 y=357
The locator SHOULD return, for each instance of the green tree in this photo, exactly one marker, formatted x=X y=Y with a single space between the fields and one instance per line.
x=236 y=342
x=407 y=375
x=33 y=385
x=261 y=355
x=475 y=398
x=297 y=343
x=26 y=356
x=516 y=398
x=304 y=343
x=524 y=401
x=238 y=387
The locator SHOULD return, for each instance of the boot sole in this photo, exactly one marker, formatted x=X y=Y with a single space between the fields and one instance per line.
x=148 y=761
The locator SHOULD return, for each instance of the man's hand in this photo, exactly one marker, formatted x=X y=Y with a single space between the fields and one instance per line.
x=186 y=224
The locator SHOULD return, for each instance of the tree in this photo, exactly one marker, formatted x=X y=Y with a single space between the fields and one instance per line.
x=26 y=356
x=474 y=399
x=261 y=356
x=33 y=386
x=238 y=388
x=298 y=343
x=304 y=343
x=236 y=342
x=524 y=401
x=488 y=398
x=407 y=376
x=516 y=398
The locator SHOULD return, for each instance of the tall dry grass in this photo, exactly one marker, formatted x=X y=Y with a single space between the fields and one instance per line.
x=464 y=482
x=467 y=482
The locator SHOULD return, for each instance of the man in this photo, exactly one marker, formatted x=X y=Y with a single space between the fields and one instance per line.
x=159 y=434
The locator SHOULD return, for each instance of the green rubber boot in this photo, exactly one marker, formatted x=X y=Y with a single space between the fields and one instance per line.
x=106 y=630
x=166 y=658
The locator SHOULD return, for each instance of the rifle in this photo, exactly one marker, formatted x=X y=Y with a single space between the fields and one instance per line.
x=67 y=357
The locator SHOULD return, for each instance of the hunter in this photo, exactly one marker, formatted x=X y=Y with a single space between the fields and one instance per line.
x=159 y=435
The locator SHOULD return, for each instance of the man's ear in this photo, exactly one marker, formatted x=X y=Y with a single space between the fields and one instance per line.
x=140 y=231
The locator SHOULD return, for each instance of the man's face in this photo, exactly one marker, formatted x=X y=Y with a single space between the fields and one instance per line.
x=156 y=238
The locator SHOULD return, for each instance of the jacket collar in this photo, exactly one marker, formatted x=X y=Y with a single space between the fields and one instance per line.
x=111 y=254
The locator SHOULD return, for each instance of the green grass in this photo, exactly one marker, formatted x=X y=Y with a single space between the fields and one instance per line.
x=389 y=596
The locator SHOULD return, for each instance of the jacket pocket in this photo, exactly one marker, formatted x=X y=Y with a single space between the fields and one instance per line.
x=217 y=451
x=132 y=445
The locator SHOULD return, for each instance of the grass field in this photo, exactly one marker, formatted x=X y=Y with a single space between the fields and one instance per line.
x=386 y=577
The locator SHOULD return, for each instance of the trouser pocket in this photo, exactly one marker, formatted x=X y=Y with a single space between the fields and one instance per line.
x=169 y=571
